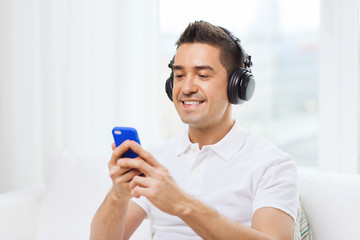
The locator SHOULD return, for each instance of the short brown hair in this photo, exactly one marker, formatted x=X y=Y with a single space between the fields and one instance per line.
x=204 y=32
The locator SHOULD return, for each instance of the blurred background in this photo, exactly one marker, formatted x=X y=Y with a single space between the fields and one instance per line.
x=70 y=70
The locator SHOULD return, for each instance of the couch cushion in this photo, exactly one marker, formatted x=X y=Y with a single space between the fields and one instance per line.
x=75 y=188
x=20 y=208
x=331 y=203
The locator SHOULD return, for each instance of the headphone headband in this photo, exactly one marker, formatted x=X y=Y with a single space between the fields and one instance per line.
x=246 y=58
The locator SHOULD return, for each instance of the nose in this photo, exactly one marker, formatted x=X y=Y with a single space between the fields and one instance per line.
x=189 y=85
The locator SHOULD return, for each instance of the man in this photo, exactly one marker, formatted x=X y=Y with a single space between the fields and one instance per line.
x=217 y=180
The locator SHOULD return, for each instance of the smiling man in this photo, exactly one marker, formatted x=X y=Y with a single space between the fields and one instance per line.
x=214 y=181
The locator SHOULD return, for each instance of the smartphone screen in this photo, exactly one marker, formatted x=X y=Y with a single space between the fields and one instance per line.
x=121 y=134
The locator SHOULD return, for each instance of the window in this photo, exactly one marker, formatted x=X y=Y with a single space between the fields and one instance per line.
x=358 y=120
x=338 y=86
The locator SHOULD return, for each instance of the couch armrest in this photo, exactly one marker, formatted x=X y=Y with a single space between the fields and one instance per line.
x=332 y=203
x=19 y=213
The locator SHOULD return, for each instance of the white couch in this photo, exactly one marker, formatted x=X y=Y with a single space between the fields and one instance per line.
x=77 y=184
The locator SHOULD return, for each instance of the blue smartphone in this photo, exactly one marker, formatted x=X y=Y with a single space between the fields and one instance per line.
x=121 y=134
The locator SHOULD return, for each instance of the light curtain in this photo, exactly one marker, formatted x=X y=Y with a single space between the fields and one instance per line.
x=70 y=70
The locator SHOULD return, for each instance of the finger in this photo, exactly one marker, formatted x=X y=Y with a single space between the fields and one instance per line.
x=124 y=177
x=135 y=192
x=139 y=181
x=140 y=191
x=116 y=171
x=136 y=163
x=119 y=151
x=113 y=146
x=129 y=176
x=143 y=154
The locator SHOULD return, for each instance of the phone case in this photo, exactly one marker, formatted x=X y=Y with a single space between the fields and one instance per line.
x=121 y=134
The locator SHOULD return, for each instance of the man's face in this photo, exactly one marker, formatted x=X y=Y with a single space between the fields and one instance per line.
x=200 y=85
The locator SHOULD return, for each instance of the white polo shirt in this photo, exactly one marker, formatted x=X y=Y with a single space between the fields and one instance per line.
x=236 y=176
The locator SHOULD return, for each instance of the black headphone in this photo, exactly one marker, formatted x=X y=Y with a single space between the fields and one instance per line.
x=241 y=84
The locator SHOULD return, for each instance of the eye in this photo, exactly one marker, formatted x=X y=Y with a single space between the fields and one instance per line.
x=179 y=75
x=203 y=76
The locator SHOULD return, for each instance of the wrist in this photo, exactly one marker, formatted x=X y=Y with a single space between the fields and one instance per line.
x=117 y=197
x=185 y=207
x=192 y=208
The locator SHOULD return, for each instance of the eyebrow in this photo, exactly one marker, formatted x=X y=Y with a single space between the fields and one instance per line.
x=201 y=67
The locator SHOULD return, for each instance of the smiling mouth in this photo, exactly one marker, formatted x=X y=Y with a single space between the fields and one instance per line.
x=192 y=102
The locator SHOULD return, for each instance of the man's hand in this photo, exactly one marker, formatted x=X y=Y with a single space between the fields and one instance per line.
x=156 y=184
x=121 y=176
x=117 y=211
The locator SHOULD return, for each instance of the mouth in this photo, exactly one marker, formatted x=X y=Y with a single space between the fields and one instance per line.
x=191 y=103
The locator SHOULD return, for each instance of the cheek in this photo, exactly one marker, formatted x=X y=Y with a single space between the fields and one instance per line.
x=175 y=91
x=217 y=92
x=222 y=88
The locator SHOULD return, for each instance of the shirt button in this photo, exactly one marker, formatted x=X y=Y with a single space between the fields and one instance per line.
x=196 y=170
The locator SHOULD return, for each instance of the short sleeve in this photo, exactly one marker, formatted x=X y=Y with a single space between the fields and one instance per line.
x=277 y=187
x=143 y=202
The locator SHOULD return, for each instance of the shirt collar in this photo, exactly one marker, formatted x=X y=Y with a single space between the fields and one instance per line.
x=184 y=143
x=226 y=148
x=233 y=141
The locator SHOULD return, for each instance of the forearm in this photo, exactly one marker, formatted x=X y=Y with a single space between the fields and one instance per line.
x=209 y=224
x=109 y=220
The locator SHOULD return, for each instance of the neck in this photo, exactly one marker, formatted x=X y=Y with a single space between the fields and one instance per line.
x=209 y=135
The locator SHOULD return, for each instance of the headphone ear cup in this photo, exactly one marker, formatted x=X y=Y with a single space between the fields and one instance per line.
x=169 y=86
x=247 y=87
x=241 y=86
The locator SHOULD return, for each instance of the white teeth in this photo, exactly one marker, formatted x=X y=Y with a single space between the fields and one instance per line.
x=192 y=102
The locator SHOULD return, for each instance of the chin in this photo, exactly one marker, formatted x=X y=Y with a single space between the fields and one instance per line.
x=189 y=121
x=193 y=122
